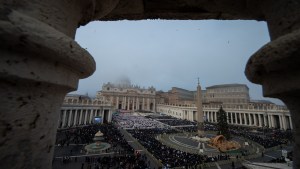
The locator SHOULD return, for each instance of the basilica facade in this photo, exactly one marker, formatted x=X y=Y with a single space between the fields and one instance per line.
x=124 y=96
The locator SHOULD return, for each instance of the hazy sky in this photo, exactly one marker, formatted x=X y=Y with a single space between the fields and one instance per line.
x=167 y=54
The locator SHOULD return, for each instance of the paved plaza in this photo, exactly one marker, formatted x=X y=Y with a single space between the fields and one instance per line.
x=79 y=159
x=167 y=146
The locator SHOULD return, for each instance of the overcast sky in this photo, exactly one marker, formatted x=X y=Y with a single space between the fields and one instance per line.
x=167 y=54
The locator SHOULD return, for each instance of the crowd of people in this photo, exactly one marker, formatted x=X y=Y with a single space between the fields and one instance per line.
x=145 y=129
x=268 y=139
x=168 y=156
x=125 y=156
x=134 y=161
x=128 y=121
x=177 y=122
x=161 y=117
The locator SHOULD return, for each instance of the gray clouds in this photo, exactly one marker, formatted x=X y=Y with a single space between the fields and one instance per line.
x=172 y=53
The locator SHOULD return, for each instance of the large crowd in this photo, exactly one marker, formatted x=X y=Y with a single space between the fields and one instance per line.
x=145 y=129
x=124 y=158
x=168 y=156
x=269 y=139
x=177 y=122
x=128 y=121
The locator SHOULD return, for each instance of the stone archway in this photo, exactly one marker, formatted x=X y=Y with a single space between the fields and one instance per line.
x=41 y=62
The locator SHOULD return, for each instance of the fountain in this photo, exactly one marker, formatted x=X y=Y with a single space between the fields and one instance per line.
x=99 y=146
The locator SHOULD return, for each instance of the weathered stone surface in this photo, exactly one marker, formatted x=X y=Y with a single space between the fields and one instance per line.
x=40 y=58
x=185 y=9
x=276 y=65
x=40 y=62
x=28 y=120
x=274 y=62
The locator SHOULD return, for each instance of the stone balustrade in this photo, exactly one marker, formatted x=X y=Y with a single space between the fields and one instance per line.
x=40 y=61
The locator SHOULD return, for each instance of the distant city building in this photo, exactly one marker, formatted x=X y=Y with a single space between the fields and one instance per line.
x=227 y=94
x=124 y=96
x=181 y=96
x=235 y=100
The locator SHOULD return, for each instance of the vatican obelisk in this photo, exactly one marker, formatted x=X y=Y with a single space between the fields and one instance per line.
x=199 y=111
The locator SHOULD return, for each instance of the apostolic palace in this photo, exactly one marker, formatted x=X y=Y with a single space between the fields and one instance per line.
x=177 y=102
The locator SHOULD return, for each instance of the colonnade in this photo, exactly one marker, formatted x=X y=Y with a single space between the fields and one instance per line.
x=74 y=116
x=271 y=120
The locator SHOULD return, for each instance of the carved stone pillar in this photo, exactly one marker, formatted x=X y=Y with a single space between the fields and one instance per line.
x=276 y=65
x=40 y=62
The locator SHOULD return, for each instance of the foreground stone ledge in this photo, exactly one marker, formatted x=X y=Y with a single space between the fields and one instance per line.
x=38 y=66
x=28 y=122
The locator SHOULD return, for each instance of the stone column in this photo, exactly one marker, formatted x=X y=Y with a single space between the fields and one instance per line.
x=123 y=102
x=117 y=102
x=269 y=121
x=245 y=119
x=216 y=117
x=259 y=120
x=64 y=119
x=154 y=105
x=133 y=103
x=272 y=121
x=80 y=117
x=109 y=115
x=85 y=117
x=241 y=122
x=291 y=124
x=255 y=120
x=128 y=103
x=143 y=106
x=148 y=104
x=276 y=65
x=265 y=120
x=280 y=122
x=75 y=118
x=40 y=62
x=250 y=120
x=284 y=122
x=231 y=118
x=91 y=115
x=208 y=118
x=137 y=103
x=70 y=117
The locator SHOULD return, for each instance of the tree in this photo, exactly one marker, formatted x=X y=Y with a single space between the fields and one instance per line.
x=222 y=124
